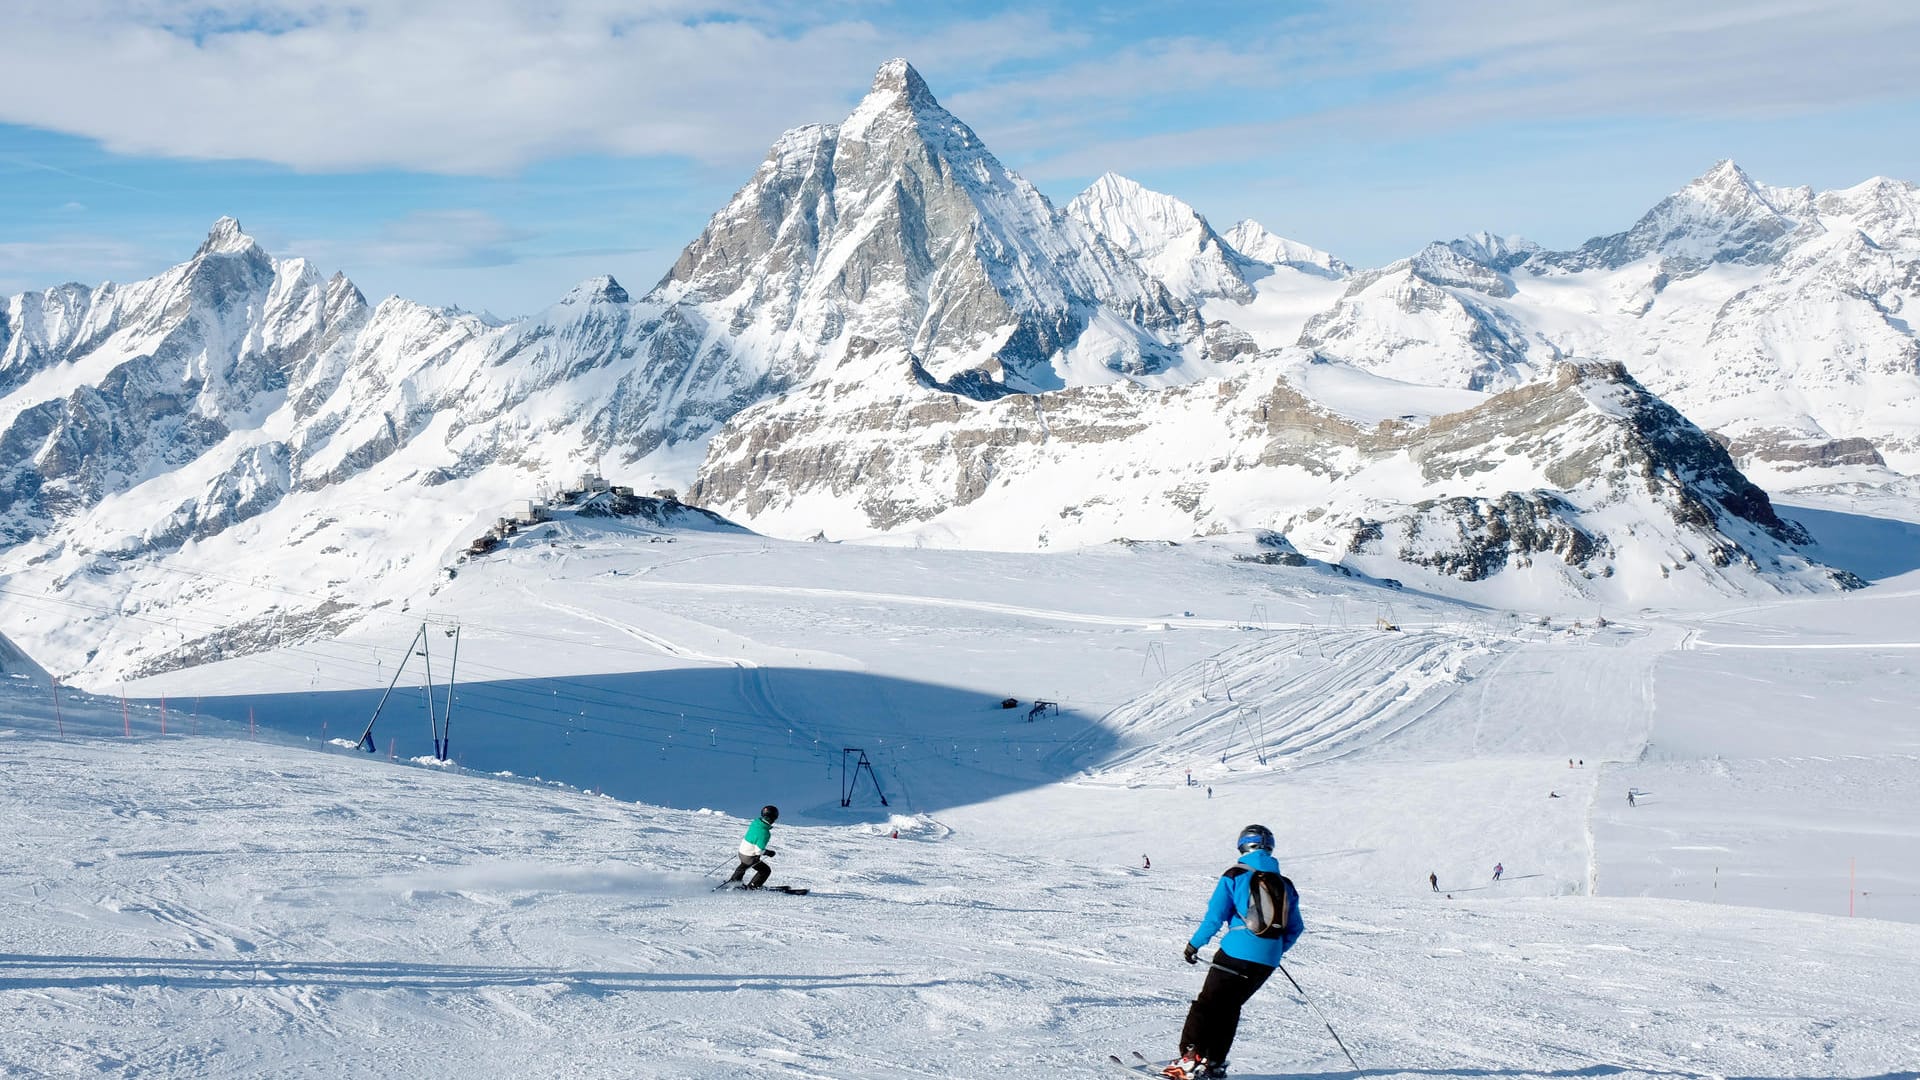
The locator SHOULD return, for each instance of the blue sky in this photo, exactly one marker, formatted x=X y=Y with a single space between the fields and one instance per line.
x=491 y=153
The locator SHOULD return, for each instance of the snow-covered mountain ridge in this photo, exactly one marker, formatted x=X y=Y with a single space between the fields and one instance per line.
x=239 y=415
x=1774 y=317
x=1582 y=484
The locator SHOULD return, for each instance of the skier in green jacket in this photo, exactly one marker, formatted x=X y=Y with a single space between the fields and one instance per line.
x=754 y=850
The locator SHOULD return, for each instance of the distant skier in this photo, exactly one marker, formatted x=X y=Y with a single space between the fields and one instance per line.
x=1498 y=870
x=1553 y=794
x=1146 y=863
x=1261 y=912
x=754 y=850
x=1209 y=791
x=1433 y=880
x=1630 y=801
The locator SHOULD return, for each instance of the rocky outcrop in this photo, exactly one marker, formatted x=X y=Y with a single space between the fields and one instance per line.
x=1585 y=472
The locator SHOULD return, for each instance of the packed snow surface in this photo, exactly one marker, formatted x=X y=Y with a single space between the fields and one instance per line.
x=248 y=895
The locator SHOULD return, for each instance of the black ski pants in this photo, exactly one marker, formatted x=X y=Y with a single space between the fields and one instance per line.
x=1214 y=1017
x=760 y=867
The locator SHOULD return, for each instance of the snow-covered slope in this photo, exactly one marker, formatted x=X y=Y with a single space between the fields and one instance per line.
x=283 y=905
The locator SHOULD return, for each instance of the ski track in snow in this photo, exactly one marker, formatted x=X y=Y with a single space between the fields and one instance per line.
x=513 y=931
x=1042 y=614
x=214 y=907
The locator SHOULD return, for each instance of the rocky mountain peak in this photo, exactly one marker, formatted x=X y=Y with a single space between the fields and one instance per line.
x=1499 y=252
x=898 y=80
x=1885 y=209
x=1255 y=241
x=899 y=98
x=597 y=290
x=1166 y=237
x=1726 y=175
x=1720 y=216
x=225 y=238
x=1140 y=221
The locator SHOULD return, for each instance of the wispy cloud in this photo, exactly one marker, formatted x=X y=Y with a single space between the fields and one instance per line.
x=453 y=86
x=448 y=238
x=31 y=265
x=1376 y=70
x=19 y=162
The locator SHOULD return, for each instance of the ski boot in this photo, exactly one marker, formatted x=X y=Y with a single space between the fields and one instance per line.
x=1190 y=1066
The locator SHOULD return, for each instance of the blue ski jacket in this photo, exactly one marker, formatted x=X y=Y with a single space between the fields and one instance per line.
x=1230 y=900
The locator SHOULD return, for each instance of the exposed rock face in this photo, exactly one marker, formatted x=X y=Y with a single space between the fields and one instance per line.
x=1470 y=538
x=113 y=386
x=1585 y=473
x=898 y=227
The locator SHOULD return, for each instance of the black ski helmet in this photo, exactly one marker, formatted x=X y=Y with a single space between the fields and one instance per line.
x=1256 y=836
x=771 y=813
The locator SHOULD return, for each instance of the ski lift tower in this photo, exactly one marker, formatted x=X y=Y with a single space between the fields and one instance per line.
x=850 y=781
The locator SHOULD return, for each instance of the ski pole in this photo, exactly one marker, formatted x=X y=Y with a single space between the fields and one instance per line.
x=1216 y=965
x=1322 y=1016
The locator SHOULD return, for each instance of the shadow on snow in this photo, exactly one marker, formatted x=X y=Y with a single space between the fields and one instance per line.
x=724 y=738
x=1875 y=548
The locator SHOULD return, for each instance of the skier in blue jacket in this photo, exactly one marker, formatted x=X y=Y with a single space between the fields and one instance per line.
x=1242 y=963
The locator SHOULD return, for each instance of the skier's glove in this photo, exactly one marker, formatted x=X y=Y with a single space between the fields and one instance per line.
x=1192 y=953
x=769 y=853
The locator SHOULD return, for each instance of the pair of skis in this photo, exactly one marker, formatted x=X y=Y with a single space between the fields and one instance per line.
x=787 y=889
x=1139 y=1066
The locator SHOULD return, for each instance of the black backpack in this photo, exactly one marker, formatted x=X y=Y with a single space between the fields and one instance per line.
x=1267 y=896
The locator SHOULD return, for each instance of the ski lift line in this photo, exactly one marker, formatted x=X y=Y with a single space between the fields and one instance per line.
x=358 y=662
x=752 y=723
x=635 y=731
x=582 y=693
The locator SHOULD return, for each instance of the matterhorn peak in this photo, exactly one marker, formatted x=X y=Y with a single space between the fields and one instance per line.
x=900 y=93
x=225 y=237
x=897 y=78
